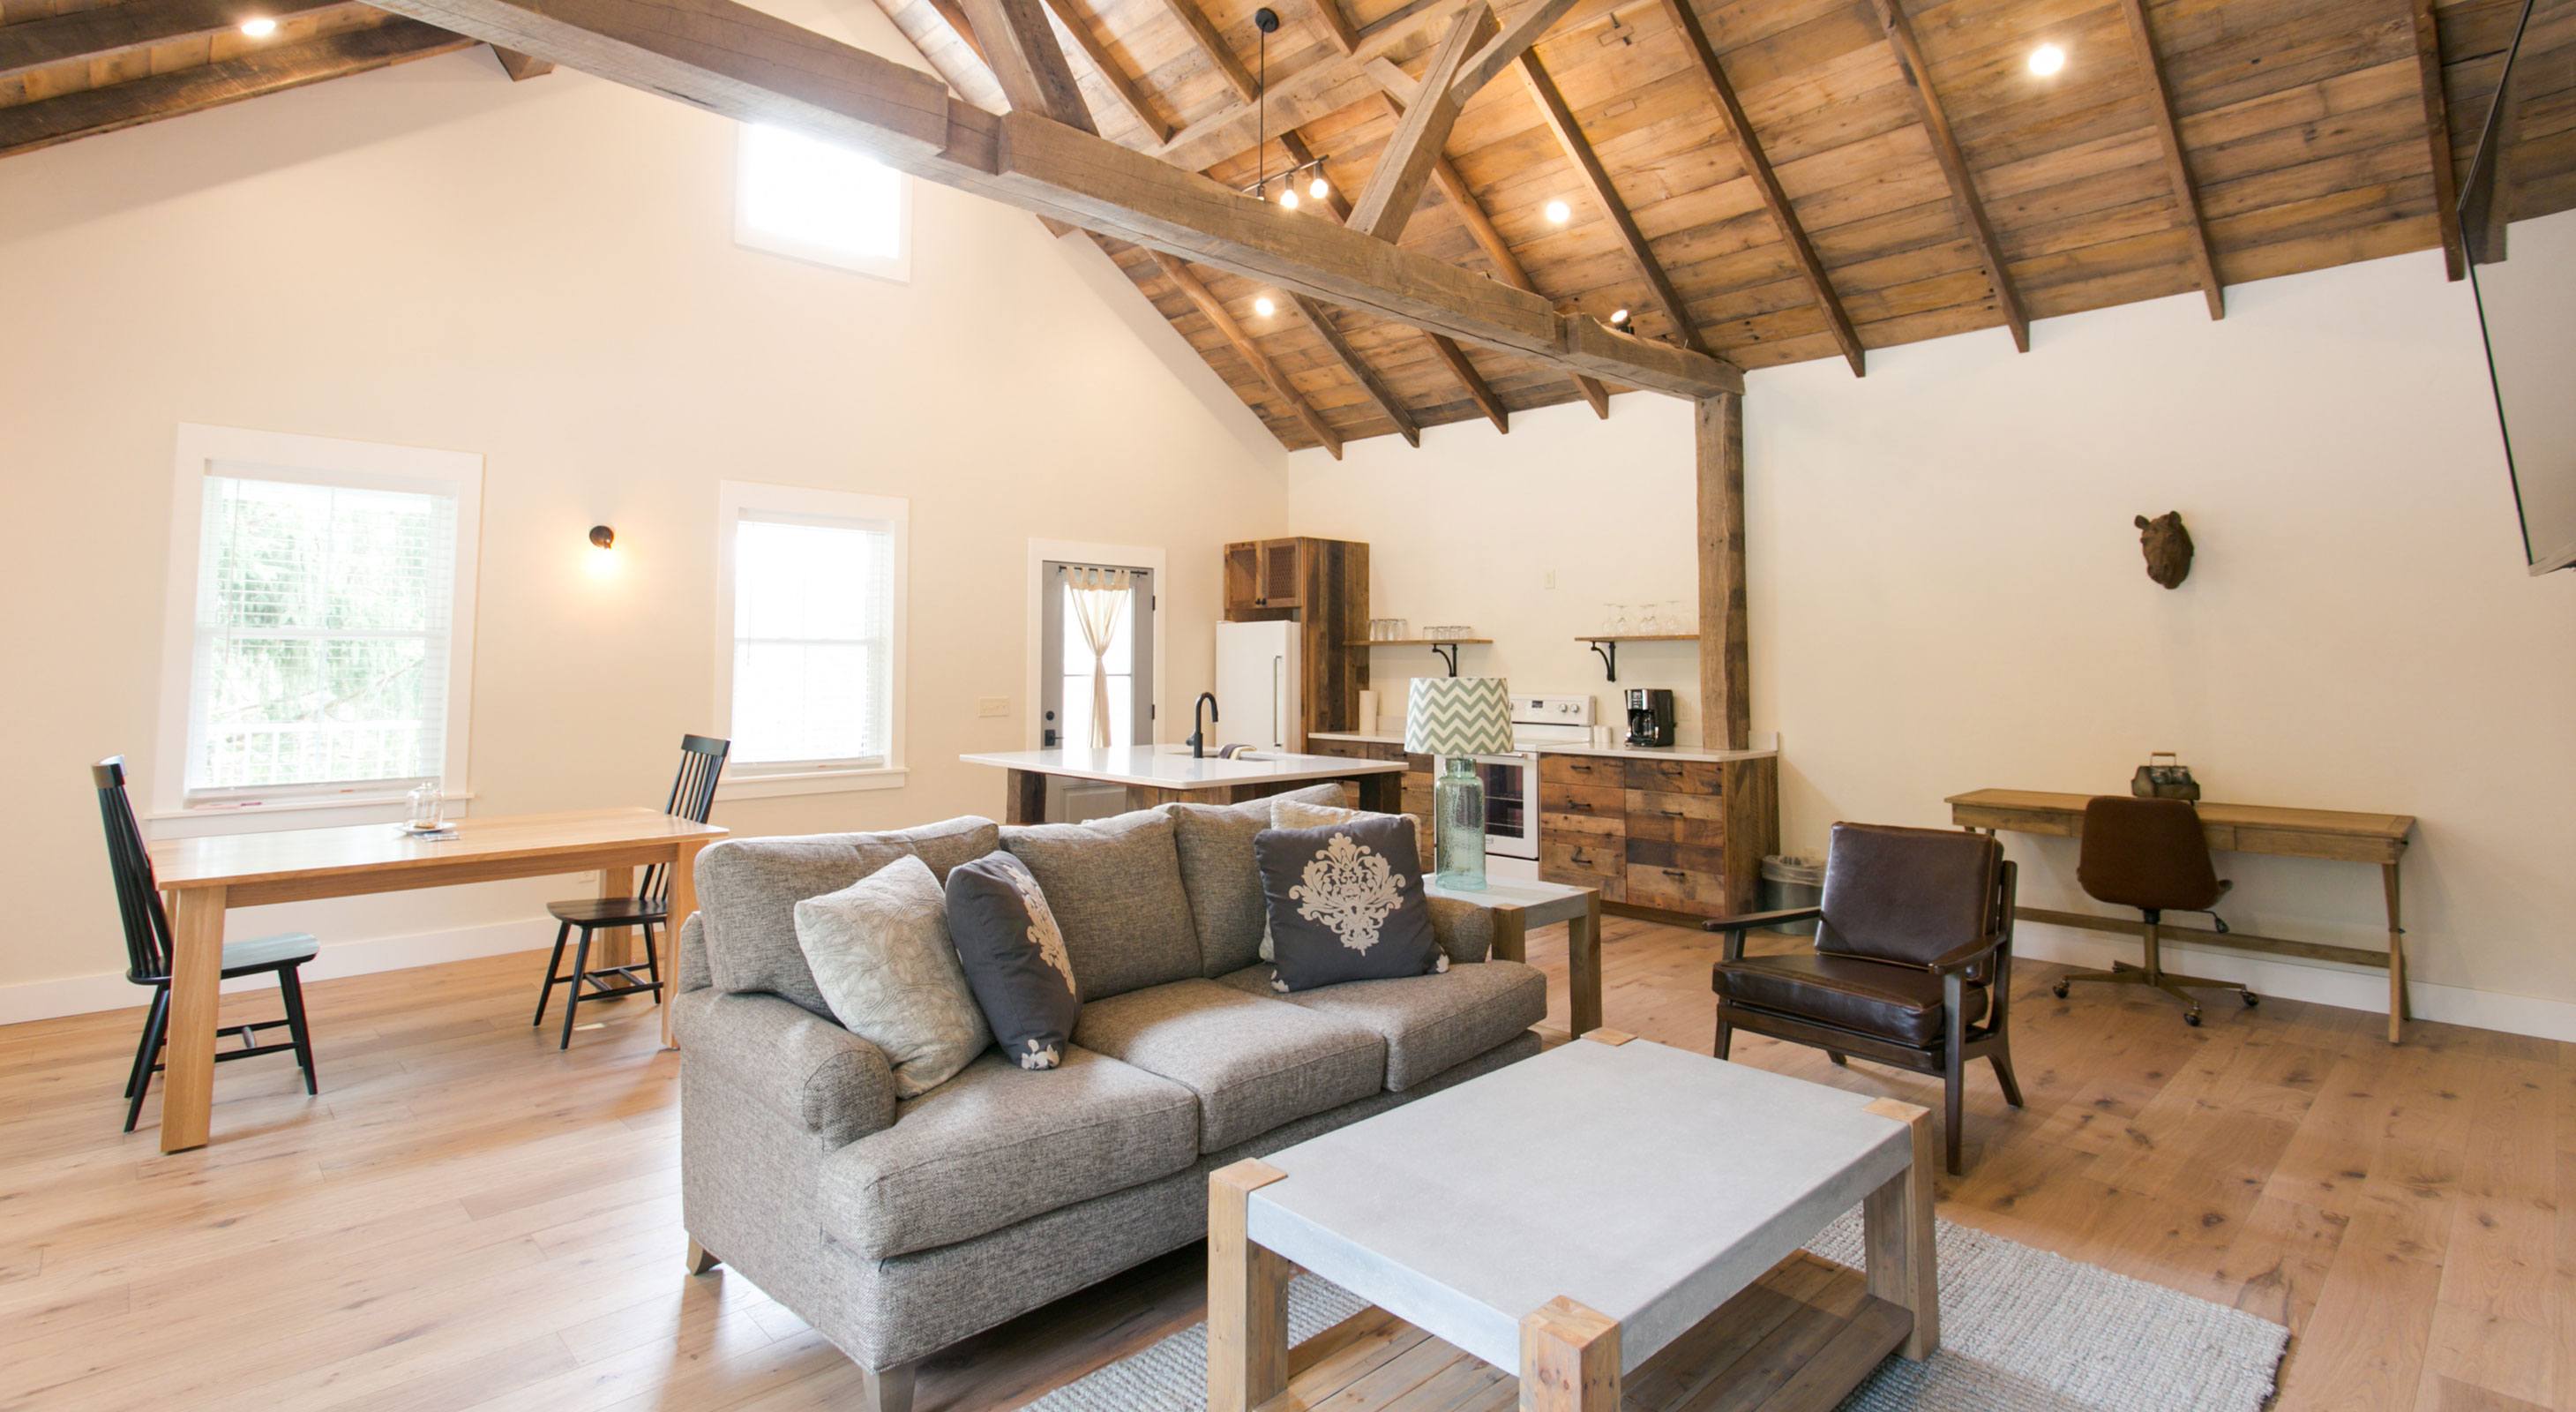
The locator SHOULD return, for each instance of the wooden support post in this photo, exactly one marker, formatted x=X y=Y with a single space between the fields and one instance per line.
x=1247 y=1337
x=1569 y=1359
x=1896 y=1233
x=1725 y=629
x=1024 y=794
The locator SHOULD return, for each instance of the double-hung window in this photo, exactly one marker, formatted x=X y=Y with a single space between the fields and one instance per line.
x=810 y=634
x=321 y=618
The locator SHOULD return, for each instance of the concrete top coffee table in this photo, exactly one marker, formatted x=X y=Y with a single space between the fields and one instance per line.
x=1578 y=1214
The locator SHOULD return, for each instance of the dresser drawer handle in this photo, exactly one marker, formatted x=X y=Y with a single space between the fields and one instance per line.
x=1672 y=813
x=1580 y=857
x=1674 y=873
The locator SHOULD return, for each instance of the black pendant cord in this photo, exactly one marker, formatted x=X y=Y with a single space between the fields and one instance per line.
x=1265 y=20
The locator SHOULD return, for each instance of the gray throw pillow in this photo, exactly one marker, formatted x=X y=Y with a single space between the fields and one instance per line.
x=880 y=954
x=1289 y=811
x=1346 y=903
x=1015 y=958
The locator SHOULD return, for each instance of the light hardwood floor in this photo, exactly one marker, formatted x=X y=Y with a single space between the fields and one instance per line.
x=467 y=1219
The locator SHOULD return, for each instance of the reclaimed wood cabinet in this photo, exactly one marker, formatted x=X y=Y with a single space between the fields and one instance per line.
x=1659 y=836
x=1417 y=779
x=1322 y=585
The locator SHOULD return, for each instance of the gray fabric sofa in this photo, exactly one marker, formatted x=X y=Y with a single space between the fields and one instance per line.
x=897 y=1229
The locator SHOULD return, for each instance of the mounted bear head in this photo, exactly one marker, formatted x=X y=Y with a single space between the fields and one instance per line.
x=2168 y=548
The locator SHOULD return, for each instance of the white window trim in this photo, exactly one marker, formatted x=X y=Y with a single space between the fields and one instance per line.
x=771 y=780
x=896 y=269
x=1074 y=551
x=329 y=460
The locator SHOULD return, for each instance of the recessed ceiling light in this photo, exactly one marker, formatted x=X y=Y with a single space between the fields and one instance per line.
x=1288 y=198
x=2047 y=59
x=260 y=28
x=1558 y=213
x=1261 y=305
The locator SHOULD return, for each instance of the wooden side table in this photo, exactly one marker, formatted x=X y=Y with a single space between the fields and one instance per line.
x=1518 y=906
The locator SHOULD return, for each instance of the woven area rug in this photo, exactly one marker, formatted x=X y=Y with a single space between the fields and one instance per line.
x=2021 y=1330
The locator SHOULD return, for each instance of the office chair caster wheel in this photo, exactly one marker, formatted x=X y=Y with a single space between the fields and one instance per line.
x=2191 y=1018
x=2251 y=999
x=2059 y=990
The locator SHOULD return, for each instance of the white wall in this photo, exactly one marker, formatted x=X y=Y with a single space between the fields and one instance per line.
x=1947 y=593
x=545 y=273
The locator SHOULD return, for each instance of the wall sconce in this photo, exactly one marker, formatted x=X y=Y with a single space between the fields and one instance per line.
x=603 y=537
x=602 y=561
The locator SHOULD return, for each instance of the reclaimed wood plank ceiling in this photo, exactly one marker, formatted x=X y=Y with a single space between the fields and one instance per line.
x=1763 y=179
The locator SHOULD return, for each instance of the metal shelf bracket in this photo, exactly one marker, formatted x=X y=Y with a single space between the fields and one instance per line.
x=1608 y=652
x=1447 y=652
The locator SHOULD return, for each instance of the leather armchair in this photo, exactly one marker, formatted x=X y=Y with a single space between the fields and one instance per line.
x=1912 y=964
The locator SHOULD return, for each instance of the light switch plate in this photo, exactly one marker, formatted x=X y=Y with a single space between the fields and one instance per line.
x=992 y=706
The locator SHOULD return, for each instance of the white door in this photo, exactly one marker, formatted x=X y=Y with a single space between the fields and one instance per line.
x=1067 y=666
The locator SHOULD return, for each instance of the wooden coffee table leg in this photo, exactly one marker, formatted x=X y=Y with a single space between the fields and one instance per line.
x=1896 y=1222
x=1569 y=1359
x=1247 y=1297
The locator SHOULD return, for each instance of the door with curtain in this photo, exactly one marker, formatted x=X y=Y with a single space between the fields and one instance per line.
x=1096 y=668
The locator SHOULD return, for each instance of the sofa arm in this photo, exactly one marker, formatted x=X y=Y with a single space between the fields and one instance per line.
x=1465 y=930
x=695 y=973
x=808 y=1070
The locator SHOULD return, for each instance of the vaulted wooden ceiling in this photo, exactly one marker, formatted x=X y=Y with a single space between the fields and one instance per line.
x=1764 y=180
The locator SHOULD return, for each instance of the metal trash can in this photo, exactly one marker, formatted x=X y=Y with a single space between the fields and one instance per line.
x=1792 y=881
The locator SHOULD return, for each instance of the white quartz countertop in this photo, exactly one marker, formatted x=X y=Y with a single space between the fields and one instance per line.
x=1555 y=747
x=1172 y=767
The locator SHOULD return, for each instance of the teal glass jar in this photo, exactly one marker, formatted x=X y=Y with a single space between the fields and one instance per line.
x=1458 y=816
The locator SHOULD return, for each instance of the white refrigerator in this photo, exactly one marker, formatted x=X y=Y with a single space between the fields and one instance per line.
x=1257 y=680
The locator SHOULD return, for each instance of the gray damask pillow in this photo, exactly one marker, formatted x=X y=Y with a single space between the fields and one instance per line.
x=1015 y=958
x=1289 y=812
x=1346 y=903
x=880 y=954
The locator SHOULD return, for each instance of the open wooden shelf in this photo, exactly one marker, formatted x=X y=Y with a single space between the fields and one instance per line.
x=1425 y=641
x=1638 y=637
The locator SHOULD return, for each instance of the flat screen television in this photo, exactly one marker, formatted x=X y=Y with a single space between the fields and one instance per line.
x=2525 y=281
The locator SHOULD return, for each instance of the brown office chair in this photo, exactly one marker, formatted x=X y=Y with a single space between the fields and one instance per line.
x=1912 y=964
x=2150 y=854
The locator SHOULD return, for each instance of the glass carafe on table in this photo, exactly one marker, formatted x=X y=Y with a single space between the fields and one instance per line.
x=428 y=807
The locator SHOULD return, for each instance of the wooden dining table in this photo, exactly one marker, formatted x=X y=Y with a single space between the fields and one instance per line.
x=201 y=878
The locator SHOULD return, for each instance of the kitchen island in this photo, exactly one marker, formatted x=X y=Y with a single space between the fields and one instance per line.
x=1163 y=774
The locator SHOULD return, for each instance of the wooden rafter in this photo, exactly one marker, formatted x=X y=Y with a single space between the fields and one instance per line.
x=2437 y=138
x=1336 y=28
x=746 y=64
x=519 y=66
x=1214 y=309
x=1954 y=167
x=1320 y=319
x=1478 y=391
x=1020 y=49
x=1394 y=189
x=135 y=27
x=2178 y=171
x=1293 y=100
x=954 y=16
x=92 y=111
x=1757 y=168
x=1596 y=183
x=1106 y=65
x=1203 y=33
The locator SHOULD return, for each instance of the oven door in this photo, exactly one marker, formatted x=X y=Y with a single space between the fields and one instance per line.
x=1511 y=804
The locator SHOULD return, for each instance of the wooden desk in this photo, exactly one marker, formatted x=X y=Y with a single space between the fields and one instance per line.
x=201 y=877
x=1519 y=906
x=2334 y=835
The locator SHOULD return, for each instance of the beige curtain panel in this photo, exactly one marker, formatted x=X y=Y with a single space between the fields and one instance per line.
x=1099 y=597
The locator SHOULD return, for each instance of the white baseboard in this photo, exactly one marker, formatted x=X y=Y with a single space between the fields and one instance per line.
x=2350 y=987
x=110 y=990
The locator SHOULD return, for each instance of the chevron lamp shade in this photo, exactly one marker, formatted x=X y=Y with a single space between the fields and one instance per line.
x=1458 y=716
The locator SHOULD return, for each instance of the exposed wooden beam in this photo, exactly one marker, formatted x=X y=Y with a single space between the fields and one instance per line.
x=1390 y=75
x=92 y=111
x=1336 y=28
x=1020 y=49
x=1203 y=33
x=1478 y=391
x=111 y=31
x=519 y=66
x=1596 y=182
x=954 y=15
x=1954 y=167
x=1214 y=309
x=2437 y=138
x=1385 y=206
x=2204 y=264
x=1514 y=40
x=730 y=59
x=1320 y=319
x=1725 y=627
x=1316 y=91
x=1106 y=65
x=1757 y=167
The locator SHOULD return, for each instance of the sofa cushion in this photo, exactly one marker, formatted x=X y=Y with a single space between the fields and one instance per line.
x=1431 y=1024
x=1014 y=958
x=998 y=1144
x=1253 y=1062
x=1115 y=887
x=1900 y=1003
x=1218 y=872
x=880 y=954
x=748 y=889
x=1346 y=903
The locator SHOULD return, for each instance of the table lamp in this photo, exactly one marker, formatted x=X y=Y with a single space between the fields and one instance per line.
x=1456 y=719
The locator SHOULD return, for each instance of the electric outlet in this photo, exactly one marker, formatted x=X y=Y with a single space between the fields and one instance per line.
x=1547 y=578
x=992 y=706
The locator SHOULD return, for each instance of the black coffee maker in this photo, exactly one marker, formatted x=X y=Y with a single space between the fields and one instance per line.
x=1650 y=716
